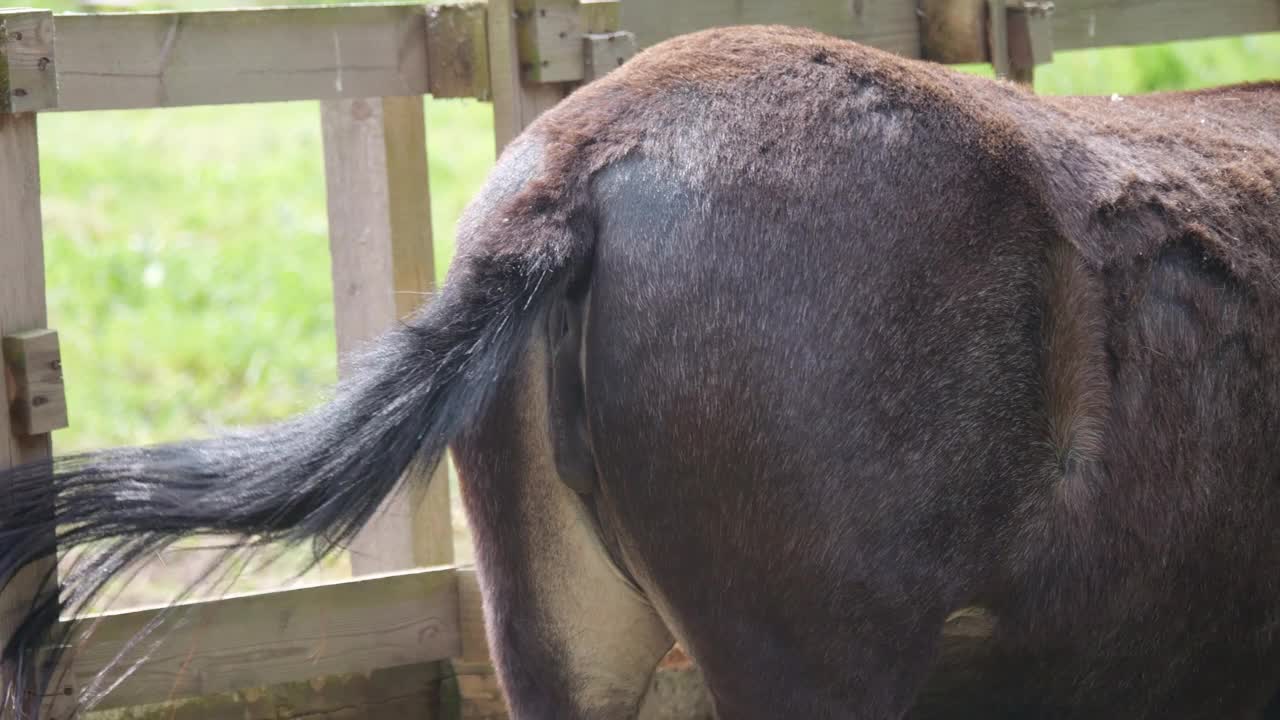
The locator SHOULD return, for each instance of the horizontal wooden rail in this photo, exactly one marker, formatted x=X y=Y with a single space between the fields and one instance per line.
x=258 y=639
x=888 y=24
x=1081 y=24
x=894 y=25
x=167 y=59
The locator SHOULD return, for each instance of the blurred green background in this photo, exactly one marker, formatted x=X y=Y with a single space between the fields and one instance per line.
x=187 y=258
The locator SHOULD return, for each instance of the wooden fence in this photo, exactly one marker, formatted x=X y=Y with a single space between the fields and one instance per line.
x=370 y=66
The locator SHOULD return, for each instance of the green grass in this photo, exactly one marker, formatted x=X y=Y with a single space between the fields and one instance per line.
x=189 y=278
x=187 y=259
x=1171 y=66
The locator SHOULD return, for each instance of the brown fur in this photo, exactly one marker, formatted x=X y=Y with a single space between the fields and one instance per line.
x=1076 y=381
x=1031 y=294
x=1120 y=176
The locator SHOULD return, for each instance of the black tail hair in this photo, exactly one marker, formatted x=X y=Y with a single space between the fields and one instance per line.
x=318 y=477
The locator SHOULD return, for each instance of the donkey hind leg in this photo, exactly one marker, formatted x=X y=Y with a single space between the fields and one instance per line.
x=571 y=636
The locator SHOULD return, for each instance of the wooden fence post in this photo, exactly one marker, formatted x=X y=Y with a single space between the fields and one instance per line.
x=515 y=103
x=1019 y=37
x=22 y=307
x=26 y=85
x=383 y=267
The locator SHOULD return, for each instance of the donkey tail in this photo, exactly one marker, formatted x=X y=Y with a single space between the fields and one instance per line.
x=319 y=476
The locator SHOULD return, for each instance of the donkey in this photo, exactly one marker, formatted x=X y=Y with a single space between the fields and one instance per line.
x=790 y=349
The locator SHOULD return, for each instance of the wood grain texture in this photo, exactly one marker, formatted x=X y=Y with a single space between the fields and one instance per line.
x=34 y=364
x=22 y=308
x=888 y=24
x=953 y=31
x=998 y=36
x=458 y=51
x=412 y=692
x=194 y=58
x=550 y=36
x=601 y=16
x=603 y=52
x=22 y=292
x=516 y=103
x=169 y=59
x=1098 y=23
x=383 y=267
x=895 y=26
x=28 y=79
x=1029 y=39
x=252 y=640
x=475 y=646
x=482 y=697
x=548 y=33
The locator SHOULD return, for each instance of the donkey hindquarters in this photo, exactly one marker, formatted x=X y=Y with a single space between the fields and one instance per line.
x=806 y=425
x=839 y=375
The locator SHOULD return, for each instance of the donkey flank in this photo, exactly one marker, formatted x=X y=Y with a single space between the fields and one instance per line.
x=790 y=349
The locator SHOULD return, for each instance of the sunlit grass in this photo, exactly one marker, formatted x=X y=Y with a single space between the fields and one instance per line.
x=188 y=274
x=1171 y=66
x=187 y=260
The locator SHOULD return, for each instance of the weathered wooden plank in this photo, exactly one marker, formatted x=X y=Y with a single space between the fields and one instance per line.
x=383 y=266
x=412 y=692
x=604 y=52
x=1029 y=39
x=458 y=51
x=998 y=36
x=953 y=31
x=22 y=299
x=888 y=24
x=1098 y=23
x=252 y=640
x=28 y=81
x=34 y=364
x=515 y=102
x=475 y=646
x=549 y=34
x=22 y=308
x=193 y=58
x=601 y=16
x=954 y=28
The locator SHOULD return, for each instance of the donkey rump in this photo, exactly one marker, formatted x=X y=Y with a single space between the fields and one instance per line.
x=791 y=349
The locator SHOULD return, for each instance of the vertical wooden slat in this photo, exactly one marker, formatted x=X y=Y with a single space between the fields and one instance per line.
x=458 y=51
x=28 y=75
x=380 y=238
x=515 y=103
x=22 y=308
x=22 y=303
x=998 y=36
x=383 y=265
